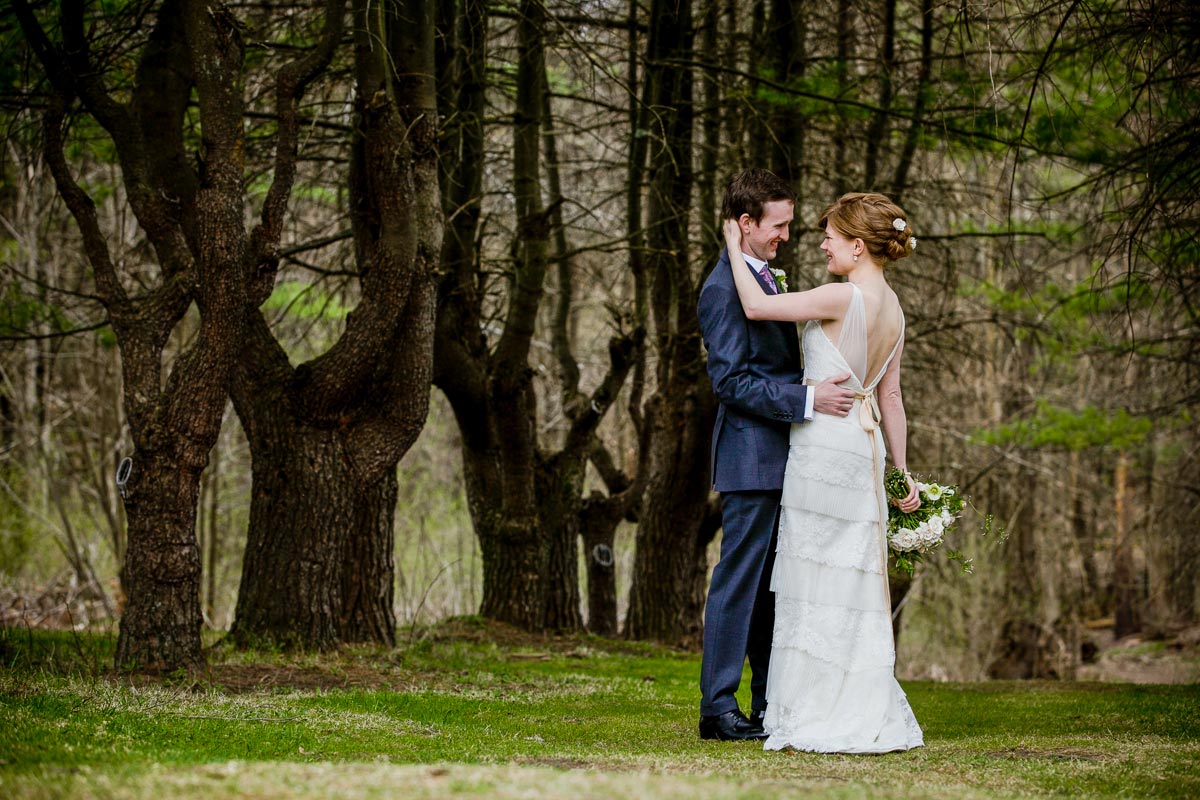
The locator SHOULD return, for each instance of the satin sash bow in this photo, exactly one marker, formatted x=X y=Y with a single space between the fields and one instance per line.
x=868 y=411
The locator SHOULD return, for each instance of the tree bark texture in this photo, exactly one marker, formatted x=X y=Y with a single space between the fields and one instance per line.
x=160 y=626
x=560 y=494
x=318 y=566
x=844 y=175
x=503 y=471
x=599 y=550
x=500 y=488
x=670 y=568
x=877 y=132
x=900 y=180
x=564 y=513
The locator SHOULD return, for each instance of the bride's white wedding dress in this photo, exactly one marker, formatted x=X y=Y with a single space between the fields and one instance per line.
x=831 y=685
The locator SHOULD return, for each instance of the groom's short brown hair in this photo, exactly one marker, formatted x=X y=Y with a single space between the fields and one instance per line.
x=749 y=190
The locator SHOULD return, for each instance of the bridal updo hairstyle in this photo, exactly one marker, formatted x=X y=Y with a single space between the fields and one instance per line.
x=872 y=218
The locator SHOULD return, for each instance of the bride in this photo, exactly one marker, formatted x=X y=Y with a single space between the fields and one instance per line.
x=831 y=686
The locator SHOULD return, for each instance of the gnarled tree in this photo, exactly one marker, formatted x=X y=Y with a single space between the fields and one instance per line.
x=326 y=436
x=193 y=219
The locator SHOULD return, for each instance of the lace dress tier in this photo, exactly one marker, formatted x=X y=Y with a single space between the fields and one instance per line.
x=831 y=686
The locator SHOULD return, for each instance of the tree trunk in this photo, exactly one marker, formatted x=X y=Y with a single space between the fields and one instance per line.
x=318 y=566
x=210 y=544
x=670 y=566
x=1083 y=527
x=877 y=132
x=501 y=461
x=1174 y=560
x=787 y=55
x=846 y=34
x=369 y=568
x=599 y=548
x=708 y=178
x=525 y=513
x=499 y=480
x=922 y=90
x=160 y=626
x=670 y=569
x=899 y=584
x=787 y=49
x=561 y=476
x=1126 y=616
x=560 y=495
x=1022 y=641
x=319 y=569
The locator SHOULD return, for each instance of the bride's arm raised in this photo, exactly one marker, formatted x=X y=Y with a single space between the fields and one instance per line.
x=828 y=301
x=895 y=426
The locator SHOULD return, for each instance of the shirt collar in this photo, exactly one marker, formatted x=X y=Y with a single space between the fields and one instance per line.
x=756 y=264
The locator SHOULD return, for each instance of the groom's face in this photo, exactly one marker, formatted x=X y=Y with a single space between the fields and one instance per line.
x=761 y=239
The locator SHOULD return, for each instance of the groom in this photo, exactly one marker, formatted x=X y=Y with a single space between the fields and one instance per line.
x=755 y=372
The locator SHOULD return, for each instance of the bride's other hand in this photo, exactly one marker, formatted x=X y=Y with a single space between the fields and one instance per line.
x=911 y=501
x=833 y=399
x=733 y=234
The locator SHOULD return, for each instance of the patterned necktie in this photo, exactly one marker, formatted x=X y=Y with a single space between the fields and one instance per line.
x=765 y=272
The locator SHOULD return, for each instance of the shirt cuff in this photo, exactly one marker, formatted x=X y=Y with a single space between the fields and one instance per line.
x=809 y=398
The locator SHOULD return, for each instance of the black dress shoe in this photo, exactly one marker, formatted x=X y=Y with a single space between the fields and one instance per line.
x=757 y=718
x=730 y=726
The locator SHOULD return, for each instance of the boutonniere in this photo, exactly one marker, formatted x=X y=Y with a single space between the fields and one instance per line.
x=780 y=279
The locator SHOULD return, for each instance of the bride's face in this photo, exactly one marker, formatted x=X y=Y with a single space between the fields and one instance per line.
x=839 y=251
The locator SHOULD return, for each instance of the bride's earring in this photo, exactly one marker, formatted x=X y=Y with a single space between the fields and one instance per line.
x=856 y=258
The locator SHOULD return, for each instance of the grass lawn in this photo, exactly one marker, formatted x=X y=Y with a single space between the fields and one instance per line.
x=472 y=710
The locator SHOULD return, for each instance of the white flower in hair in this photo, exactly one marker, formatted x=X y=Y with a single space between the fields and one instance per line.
x=899 y=224
x=912 y=243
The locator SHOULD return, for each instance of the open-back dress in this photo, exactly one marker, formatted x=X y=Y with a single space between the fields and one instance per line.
x=831 y=686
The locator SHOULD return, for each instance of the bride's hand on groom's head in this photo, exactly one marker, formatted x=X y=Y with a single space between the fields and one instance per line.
x=733 y=233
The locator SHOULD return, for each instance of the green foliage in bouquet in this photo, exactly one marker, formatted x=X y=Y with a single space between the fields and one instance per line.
x=912 y=535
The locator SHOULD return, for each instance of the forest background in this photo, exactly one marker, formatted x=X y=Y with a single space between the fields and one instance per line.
x=391 y=308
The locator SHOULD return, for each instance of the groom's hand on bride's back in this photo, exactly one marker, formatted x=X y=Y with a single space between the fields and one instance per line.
x=831 y=398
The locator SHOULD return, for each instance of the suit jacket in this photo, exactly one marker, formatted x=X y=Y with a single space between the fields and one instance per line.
x=755 y=371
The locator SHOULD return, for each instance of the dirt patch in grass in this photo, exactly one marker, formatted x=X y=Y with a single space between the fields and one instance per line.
x=1058 y=754
x=560 y=763
x=264 y=673
x=241 y=678
x=526 y=644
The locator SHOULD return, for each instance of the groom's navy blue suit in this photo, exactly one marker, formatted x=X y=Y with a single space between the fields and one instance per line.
x=755 y=371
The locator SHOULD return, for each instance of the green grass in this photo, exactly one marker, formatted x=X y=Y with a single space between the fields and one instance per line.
x=469 y=710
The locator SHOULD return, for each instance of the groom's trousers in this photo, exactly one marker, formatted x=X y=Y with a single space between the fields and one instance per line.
x=740 y=613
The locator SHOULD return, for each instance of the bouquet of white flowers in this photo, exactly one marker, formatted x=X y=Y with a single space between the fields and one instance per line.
x=912 y=535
